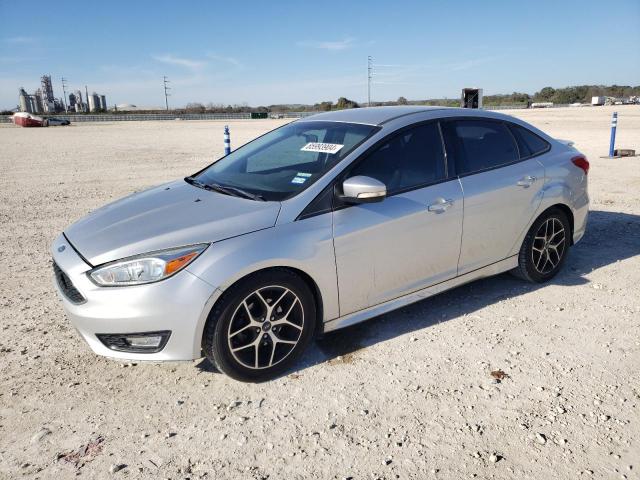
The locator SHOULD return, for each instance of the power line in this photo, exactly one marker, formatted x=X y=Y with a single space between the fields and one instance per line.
x=166 y=94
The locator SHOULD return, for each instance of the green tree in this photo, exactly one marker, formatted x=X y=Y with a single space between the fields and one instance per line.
x=545 y=95
x=345 y=103
x=323 y=106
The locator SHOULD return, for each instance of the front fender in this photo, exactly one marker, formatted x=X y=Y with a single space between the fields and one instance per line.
x=305 y=245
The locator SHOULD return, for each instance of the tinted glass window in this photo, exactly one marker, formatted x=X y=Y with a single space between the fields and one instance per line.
x=528 y=142
x=412 y=158
x=479 y=145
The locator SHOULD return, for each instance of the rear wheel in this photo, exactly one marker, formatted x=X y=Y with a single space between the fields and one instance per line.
x=260 y=326
x=545 y=247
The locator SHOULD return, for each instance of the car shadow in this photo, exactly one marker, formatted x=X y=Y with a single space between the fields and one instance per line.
x=610 y=237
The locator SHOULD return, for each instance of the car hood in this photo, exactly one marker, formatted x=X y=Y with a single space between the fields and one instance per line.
x=167 y=216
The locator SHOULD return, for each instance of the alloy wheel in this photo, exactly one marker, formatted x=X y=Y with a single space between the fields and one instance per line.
x=548 y=245
x=265 y=327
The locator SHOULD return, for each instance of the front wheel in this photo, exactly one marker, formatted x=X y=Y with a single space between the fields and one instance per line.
x=260 y=326
x=545 y=247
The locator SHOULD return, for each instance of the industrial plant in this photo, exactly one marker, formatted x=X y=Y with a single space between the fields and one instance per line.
x=43 y=100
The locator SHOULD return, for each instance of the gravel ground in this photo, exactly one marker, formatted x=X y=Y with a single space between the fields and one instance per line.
x=406 y=395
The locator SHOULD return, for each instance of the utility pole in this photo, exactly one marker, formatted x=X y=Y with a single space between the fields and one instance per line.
x=166 y=94
x=369 y=75
x=64 y=94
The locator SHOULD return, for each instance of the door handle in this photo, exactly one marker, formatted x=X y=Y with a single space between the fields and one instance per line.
x=526 y=182
x=440 y=205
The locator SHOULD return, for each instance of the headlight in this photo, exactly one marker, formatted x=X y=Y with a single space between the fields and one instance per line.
x=146 y=268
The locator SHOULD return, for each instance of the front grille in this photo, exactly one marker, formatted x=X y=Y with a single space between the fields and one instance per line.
x=65 y=284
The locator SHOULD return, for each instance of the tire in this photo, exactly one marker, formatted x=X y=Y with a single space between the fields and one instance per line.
x=260 y=326
x=545 y=247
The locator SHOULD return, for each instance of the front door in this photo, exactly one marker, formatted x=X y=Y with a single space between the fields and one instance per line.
x=411 y=239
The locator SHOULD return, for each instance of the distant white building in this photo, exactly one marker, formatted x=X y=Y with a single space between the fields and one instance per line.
x=94 y=102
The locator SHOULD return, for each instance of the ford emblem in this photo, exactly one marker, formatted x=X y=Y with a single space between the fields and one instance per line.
x=61 y=248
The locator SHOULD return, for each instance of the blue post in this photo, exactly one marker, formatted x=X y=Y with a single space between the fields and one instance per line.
x=227 y=141
x=612 y=142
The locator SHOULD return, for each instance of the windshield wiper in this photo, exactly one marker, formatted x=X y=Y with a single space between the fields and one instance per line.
x=239 y=192
x=216 y=187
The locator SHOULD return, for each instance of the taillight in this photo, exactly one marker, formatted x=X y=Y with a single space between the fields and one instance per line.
x=581 y=162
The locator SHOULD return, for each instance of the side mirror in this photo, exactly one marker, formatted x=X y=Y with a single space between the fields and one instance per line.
x=361 y=189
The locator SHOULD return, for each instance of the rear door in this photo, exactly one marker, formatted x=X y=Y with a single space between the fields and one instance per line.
x=502 y=191
x=409 y=240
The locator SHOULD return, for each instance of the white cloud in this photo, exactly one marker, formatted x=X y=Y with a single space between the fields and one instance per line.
x=330 y=45
x=21 y=40
x=219 y=58
x=179 y=61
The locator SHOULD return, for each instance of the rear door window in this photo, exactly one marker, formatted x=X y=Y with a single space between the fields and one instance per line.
x=478 y=145
x=529 y=143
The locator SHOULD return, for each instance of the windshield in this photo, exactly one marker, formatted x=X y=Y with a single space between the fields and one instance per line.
x=283 y=162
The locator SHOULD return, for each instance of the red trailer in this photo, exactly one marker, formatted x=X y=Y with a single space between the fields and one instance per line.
x=25 y=119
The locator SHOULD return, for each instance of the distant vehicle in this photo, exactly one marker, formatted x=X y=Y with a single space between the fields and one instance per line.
x=25 y=119
x=54 y=122
x=597 y=101
x=542 y=105
x=320 y=224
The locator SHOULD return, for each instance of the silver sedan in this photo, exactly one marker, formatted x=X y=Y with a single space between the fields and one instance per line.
x=317 y=225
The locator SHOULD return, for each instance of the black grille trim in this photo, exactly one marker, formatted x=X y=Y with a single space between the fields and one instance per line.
x=66 y=286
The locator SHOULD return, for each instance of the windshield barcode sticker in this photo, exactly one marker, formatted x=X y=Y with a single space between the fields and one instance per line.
x=322 y=147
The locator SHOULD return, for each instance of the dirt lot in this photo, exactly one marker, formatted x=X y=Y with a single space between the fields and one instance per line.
x=407 y=395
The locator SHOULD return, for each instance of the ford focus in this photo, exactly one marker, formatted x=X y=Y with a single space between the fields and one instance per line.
x=320 y=224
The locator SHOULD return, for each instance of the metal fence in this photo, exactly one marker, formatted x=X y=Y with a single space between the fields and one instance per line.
x=141 y=117
x=519 y=107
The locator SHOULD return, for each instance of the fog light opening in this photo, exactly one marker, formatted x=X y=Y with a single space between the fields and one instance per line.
x=145 y=342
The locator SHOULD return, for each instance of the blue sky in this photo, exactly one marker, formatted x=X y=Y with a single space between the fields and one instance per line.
x=305 y=52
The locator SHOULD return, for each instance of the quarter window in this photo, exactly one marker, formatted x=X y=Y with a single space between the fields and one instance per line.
x=412 y=158
x=478 y=145
x=529 y=143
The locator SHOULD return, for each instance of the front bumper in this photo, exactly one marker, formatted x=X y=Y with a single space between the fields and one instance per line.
x=179 y=304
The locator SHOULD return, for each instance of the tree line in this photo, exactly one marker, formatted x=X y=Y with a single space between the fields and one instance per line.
x=566 y=95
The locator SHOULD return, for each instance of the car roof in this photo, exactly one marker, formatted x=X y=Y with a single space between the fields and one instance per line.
x=370 y=115
x=382 y=115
